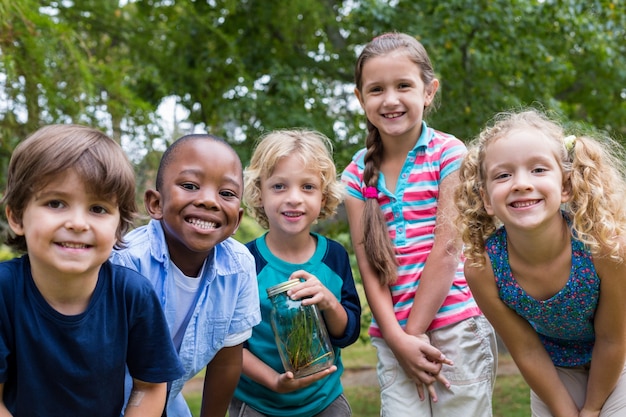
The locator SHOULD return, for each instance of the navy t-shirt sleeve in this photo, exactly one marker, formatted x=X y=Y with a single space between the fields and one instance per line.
x=337 y=259
x=151 y=353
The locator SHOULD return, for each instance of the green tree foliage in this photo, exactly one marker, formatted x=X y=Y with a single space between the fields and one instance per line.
x=243 y=67
x=494 y=55
x=68 y=62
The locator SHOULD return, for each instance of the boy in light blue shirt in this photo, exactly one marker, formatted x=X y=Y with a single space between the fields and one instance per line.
x=205 y=280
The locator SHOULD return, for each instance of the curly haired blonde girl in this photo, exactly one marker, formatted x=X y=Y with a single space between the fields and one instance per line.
x=592 y=169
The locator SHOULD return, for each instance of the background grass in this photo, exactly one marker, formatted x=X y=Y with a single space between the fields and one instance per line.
x=511 y=394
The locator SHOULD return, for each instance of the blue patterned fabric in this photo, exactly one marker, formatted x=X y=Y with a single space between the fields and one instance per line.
x=563 y=322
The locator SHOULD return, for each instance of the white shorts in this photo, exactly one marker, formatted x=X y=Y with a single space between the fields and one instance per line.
x=575 y=381
x=471 y=344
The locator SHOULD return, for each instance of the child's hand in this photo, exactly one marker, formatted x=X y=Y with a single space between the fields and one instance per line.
x=422 y=362
x=587 y=413
x=287 y=383
x=312 y=291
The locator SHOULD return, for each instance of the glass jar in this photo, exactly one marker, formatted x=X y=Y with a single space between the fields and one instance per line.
x=300 y=333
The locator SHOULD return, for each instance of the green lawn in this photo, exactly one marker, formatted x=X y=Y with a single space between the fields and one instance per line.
x=511 y=397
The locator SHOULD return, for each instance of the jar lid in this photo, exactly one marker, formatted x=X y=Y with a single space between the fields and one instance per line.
x=282 y=287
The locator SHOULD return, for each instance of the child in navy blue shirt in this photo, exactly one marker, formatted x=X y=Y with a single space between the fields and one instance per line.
x=70 y=321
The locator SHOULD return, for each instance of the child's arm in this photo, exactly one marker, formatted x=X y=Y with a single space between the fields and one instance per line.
x=3 y=410
x=441 y=264
x=146 y=399
x=220 y=380
x=257 y=370
x=609 y=351
x=522 y=342
x=418 y=358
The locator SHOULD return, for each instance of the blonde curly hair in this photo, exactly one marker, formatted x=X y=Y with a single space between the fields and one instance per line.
x=593 y=169
x=314 y=150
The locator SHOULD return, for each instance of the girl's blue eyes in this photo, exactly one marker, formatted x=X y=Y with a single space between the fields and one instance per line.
x=534 y=171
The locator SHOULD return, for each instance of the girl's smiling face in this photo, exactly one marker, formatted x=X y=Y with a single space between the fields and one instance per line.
x=393 y=94
x=523 y=181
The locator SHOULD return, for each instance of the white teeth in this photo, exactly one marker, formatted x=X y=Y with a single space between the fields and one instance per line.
x=392 y=115
x=202 y=224
x=73 y=245
x=524 y=204
x=292 y=214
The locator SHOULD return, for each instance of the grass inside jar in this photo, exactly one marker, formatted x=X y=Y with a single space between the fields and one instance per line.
x=301 y=343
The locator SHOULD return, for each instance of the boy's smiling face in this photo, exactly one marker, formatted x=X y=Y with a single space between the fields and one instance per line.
x=69 y=230
x=199 y=203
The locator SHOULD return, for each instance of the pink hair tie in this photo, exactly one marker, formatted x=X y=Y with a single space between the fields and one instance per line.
x=370 y=192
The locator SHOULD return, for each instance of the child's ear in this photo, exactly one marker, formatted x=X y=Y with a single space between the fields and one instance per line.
x=486 y=201
x=431 y=91
x=154 y=204
x=566 y=191
x=357 y=93
x=15 y=223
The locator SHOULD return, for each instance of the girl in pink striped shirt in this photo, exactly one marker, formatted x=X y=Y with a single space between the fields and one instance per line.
x=400 y=208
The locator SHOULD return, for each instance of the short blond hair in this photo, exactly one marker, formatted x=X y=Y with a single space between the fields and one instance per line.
x=315 y=151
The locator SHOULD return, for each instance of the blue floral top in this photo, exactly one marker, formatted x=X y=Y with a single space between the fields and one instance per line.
x=563 y=322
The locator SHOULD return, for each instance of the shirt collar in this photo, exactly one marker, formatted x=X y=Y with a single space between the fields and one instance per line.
x=225 y=259
x=422 y=143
